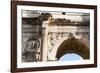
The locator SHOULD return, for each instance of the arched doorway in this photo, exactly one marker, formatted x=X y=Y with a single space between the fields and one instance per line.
x=73 y=45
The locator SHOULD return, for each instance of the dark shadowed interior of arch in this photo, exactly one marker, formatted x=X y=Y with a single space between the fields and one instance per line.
x=73 y=45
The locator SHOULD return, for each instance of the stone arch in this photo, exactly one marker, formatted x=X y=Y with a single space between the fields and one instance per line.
x=55 y=48
x=73 y=45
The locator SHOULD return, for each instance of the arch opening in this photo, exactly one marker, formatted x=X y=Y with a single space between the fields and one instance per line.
x=70 y=57
x=73 y=45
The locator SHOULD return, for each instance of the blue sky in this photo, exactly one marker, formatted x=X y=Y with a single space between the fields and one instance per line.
x=70 y=57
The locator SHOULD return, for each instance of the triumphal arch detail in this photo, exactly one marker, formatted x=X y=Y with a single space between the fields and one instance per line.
x=66 y=39
x=54 y=34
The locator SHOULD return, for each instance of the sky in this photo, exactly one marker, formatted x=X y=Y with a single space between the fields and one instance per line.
x=70 y=57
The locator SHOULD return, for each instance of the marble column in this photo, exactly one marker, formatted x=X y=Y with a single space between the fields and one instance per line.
x=44 y=46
